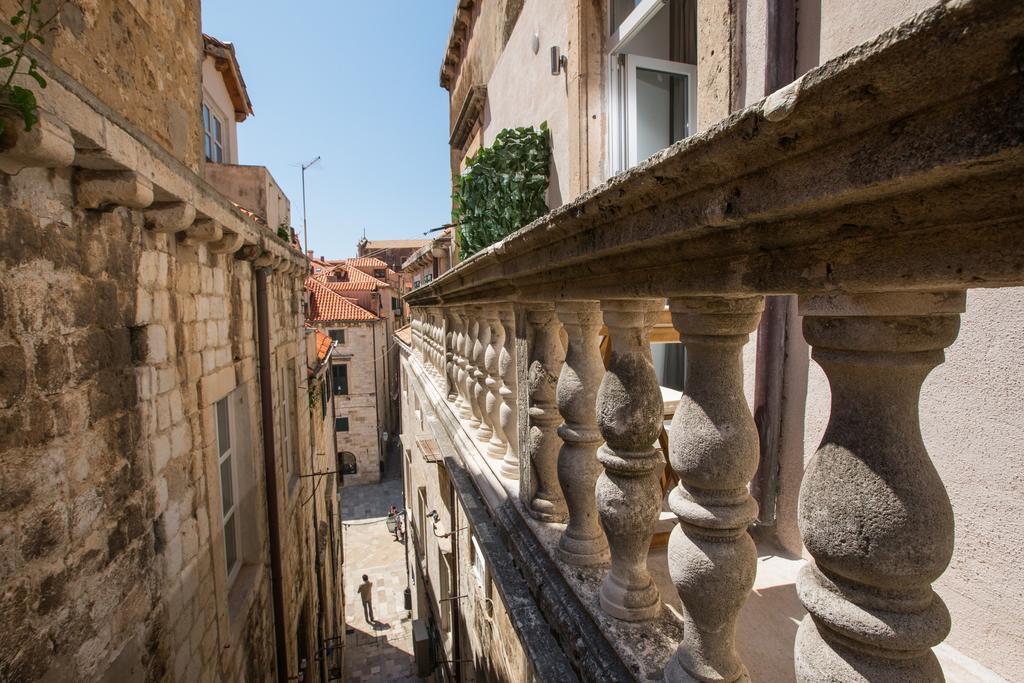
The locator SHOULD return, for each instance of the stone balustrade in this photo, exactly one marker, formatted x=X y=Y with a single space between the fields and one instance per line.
x=879 y=257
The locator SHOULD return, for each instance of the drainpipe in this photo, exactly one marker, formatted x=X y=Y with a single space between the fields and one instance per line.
x=270 y=473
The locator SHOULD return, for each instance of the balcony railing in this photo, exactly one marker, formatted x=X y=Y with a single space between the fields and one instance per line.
x=877 y=189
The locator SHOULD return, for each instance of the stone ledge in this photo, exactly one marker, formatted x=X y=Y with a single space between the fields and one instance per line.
x=854 y=168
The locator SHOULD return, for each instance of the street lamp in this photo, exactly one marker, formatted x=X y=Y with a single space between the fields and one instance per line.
x=305 y=230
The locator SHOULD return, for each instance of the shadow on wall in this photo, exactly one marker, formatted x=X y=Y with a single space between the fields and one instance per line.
x=766 y=632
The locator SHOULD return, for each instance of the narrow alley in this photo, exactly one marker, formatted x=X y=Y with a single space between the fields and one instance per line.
x=379 y=651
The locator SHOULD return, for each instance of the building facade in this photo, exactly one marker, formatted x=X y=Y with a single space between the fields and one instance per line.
x=359 y=380
x=789 y=194
x=156 y=446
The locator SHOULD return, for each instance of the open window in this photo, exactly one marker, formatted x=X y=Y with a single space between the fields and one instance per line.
x=652 y=50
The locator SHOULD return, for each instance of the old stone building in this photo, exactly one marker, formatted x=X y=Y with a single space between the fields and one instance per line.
x=158 y=514
x=431 y=260
x=825 y=223
x=359 y=379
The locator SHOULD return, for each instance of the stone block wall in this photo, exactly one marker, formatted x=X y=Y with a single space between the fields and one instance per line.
x=158 y=47
x=364 y=354
x=115 y=343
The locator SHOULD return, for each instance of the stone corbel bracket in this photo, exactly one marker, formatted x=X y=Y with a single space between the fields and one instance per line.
x=118 y=165
x=203 y=230
x=170 y=217
x=107 y=189
x=229 y=243
x=48 y=145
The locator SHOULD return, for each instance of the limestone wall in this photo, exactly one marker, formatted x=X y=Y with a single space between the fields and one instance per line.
x=142 y=59
x=115 y=344
x=363 y=352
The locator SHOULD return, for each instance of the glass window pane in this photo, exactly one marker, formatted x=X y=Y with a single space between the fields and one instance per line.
x=206 y=118
x=216 y=130
x=618 y=10
x=230 y=543
x=227 y=490
x=209 y=147
x=660 y=110
x=223 y=426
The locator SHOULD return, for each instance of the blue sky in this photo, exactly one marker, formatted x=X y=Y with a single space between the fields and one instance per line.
x=357 y=84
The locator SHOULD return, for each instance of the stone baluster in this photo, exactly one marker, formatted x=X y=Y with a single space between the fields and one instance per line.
x=497 y=446
x=713 y=447
x=873 y=512
x=629 y=415
x=439 y=351
x=455 y=349
x=546 y=357
x=507 y=370
x=449 y=355
x=483 y=338
x=417 y=331
x=583 y=542
x=462 y=403
x=473 y=350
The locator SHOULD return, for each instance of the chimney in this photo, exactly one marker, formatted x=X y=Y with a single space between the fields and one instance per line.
x=309 y=253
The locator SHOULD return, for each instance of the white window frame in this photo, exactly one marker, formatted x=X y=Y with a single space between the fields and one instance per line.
x=289 y=451
x=634 y=23
x=634 y=62
x=210 y=120
x=618 y=86
x=229 y=515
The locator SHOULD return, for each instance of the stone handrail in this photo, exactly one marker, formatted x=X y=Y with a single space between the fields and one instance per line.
x=876 y=189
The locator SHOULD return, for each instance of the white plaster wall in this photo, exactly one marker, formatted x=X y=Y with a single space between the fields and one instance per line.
x=215 y=95
x=972 y=422
x=755 y=32
x=831 y=27
x=522 y=91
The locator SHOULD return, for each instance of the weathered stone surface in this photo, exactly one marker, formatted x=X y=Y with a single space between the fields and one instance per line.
x=873 y=512
x=629 y=415
x=546 y=356
x=713 y=449
x=583 y=542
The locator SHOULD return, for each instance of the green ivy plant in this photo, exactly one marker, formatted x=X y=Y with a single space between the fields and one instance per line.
x=503 y=187
x=13 y=62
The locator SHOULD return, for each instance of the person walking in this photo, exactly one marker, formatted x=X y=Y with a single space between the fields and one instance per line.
x=366 y=595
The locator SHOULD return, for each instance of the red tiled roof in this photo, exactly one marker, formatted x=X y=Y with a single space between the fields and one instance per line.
x=404 y=335
x=323 y=345
x=367 y=262
x=358 y=281
x=327 y=305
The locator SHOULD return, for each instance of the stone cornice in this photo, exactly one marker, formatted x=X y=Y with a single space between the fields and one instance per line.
x=873 y=171
x=456 y=39
x=118 y=165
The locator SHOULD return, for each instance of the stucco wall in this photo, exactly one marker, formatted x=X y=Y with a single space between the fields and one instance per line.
x=520 y=71
x=971 y=421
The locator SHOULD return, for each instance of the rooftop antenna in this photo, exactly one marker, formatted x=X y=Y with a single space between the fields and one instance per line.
x=305 y=230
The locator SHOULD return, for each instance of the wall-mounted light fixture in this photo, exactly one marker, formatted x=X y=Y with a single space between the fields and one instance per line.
x=535 y=42
x=558 y=61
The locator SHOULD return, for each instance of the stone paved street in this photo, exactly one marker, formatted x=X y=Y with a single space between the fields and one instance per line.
x=382 y=651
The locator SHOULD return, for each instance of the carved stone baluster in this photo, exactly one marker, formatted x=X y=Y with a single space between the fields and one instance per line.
x=546 y=356
x=450 y=392
x=713 y=448
x=484 y=432
x=583 y=542
x=415 y=332
x=497 y=446
x=473 y=350
x=629 y=414
x=461 y=403
x=507 y=369
x=873 y=512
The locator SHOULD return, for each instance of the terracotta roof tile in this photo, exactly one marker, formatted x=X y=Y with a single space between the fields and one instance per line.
x=327 y=305
x=404 y=335
x=367 y=262
x=323 y=345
